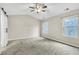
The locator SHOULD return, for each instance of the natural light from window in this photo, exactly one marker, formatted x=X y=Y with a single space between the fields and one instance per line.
x=70 y=26
x=45 y=27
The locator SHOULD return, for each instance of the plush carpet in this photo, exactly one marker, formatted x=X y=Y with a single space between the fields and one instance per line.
x=38 y=47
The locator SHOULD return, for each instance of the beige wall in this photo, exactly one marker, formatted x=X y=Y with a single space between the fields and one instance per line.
x=55 y=32
x=23 y=27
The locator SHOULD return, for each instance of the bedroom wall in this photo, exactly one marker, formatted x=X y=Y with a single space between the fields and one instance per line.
x=55 y=29
x=25 y=26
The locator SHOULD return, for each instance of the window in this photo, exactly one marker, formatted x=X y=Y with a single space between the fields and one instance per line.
x=45 y=27
x=70 y=26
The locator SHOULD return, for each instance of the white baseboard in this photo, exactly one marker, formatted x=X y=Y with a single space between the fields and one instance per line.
x=23 y=38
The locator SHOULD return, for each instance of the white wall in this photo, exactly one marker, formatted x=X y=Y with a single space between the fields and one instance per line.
x=55 y=29
x=23 y=27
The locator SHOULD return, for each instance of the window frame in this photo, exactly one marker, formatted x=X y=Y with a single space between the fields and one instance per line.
x=43 y=28
x=76 y=26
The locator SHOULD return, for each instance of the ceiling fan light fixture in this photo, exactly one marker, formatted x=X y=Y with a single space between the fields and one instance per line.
x=39 y=7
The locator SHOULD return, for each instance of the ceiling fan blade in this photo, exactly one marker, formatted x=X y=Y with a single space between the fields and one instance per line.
x=44 y=6
x=31 y=7
x=43 y=10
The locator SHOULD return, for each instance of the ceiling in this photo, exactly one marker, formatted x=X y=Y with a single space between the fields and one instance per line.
x=53 y=9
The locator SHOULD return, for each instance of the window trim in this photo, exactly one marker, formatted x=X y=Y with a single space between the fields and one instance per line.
x=42 y=26
x=76 y=26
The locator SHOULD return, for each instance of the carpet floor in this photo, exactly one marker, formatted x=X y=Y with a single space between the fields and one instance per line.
x=38 y=47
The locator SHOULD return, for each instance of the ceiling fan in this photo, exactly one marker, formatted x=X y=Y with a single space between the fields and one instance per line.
x=38 y=7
